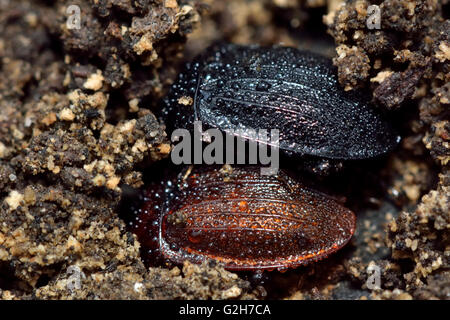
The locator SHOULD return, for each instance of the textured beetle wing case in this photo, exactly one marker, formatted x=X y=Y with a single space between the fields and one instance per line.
x=280 y=88
x=248 y=221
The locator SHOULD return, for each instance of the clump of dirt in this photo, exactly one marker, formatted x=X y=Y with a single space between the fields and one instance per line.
x=407 y=62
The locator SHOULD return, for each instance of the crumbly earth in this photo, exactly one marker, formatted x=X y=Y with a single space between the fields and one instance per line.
x=407 y=63
x=77 y=125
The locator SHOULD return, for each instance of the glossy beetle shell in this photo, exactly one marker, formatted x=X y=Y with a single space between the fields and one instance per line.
x=242 y=219
x=251 y=87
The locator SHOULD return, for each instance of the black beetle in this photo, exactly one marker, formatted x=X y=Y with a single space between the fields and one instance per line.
x=251 y=87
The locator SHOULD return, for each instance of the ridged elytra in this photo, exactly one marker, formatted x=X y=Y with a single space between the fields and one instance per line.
x=241 y=219
x=297 y=92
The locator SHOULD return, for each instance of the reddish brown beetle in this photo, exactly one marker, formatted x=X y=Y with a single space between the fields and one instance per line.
x=241 y=219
